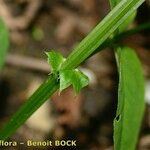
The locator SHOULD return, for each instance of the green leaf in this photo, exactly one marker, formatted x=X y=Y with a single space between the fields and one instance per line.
x=65 y=79
x=73 y=77
x=130 y=94
x=130 y=100
x=113 y=3
x=4 y=43
x=79 y=80
x=127 y=22
x=55 y=60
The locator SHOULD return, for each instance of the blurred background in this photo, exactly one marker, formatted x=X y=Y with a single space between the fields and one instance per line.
x=37 y=26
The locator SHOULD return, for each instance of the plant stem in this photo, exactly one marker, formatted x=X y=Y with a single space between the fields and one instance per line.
x=120 y=36
x=114 y=19
x=130 y=32
x=30 y=106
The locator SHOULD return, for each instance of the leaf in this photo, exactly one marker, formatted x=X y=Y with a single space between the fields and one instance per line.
x=55 y=60
x=130 y=94
x=79 y=80
x=130 y=100
x=113 y=3
x=65 y=79
x=127 y=22
x=4 y=43
x=73 y=77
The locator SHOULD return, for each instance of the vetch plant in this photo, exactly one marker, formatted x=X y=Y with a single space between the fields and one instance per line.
x=65 y=73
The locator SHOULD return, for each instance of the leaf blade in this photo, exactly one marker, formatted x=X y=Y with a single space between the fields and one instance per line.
x=73 y=77
x=79 y=80
x=65 y=80
x=55 y=60
x=130 y=100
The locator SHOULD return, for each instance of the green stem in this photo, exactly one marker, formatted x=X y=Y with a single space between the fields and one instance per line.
x=114 y=19
x=142 y=27
x=30 y=106
x=120 y=36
